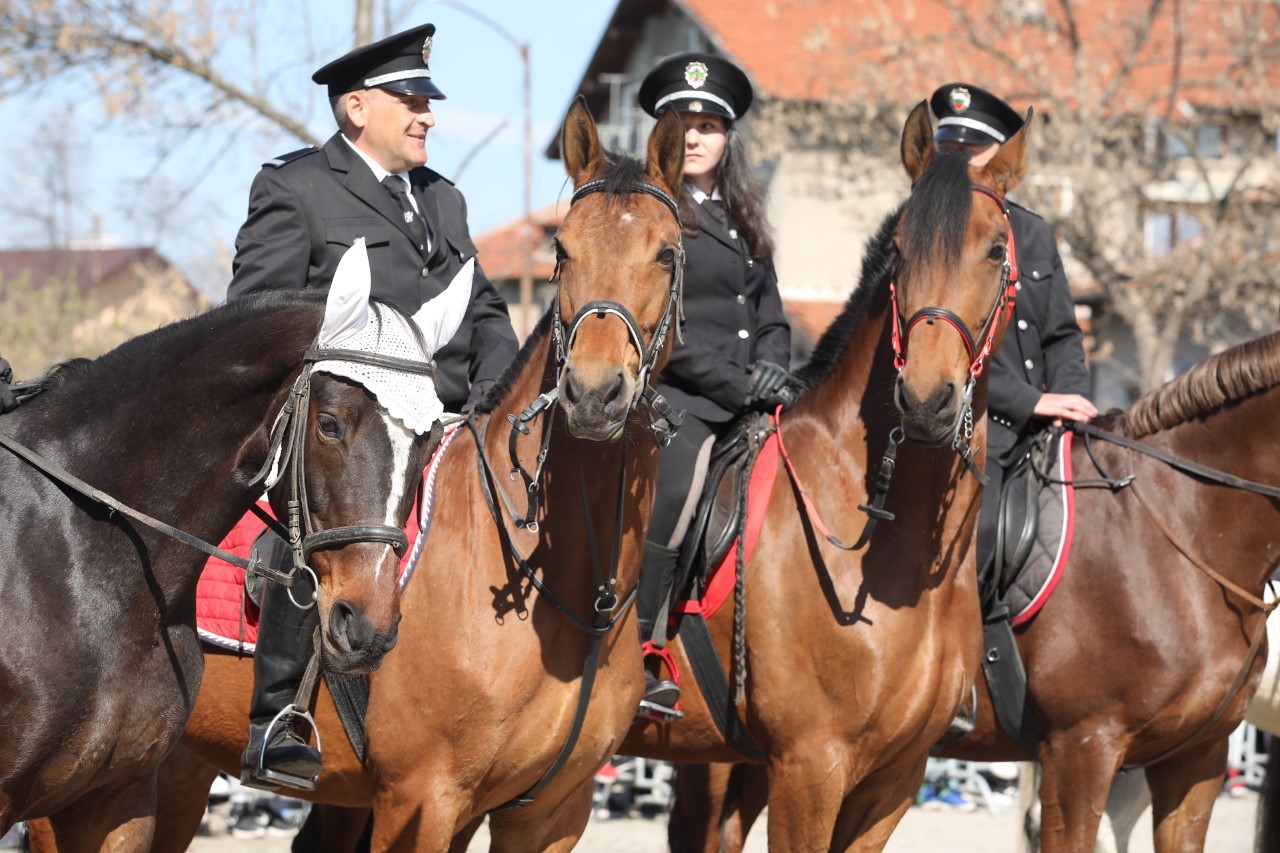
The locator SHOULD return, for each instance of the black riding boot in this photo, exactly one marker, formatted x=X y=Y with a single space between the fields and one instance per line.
x=277 y=755
x=653 y=603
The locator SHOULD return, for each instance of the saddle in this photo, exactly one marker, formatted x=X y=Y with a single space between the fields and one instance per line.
x=1018 y=516
x=719 y=513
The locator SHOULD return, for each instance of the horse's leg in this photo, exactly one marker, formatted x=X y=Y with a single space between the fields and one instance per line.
x=806 y=791
x=1183 y=790
x=745 y=799
x=40 y=837
x=1029 y=806
x=416 y=812
x=698 y=810
x=183 y=783
x=334 y=829
x=555 y=830
x=873 y=809
x=1076 y=777
x=1129 y=798
x=462 y=840
x=116 y=817
x=1267 y=833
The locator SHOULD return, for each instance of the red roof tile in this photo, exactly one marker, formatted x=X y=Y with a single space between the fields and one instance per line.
x=88 y=268
x=501 y=250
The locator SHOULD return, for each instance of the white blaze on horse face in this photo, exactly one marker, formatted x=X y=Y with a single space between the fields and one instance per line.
x=401 y=439
x=440 y=318
x=347 y=309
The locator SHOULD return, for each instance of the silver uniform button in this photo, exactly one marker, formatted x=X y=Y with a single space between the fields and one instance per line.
x=750 y=262
x=733 y=232
x=744 y=334
x=1035 y=274
x=1029 y=364
x=1022 y=324
x=424 y=272
x=742 y=300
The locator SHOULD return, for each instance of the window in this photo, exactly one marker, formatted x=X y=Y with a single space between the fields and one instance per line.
x=1210 y=139
x=1164 y=230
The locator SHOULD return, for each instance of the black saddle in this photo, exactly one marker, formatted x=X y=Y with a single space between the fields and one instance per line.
x=719 y=514
x=1019 y=516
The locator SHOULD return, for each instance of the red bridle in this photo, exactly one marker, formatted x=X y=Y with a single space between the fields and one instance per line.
x=1007 y=297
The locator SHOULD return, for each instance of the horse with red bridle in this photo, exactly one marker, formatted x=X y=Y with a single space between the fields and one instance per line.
x=1147 y=652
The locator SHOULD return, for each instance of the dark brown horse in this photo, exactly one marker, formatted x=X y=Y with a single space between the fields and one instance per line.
x=1150 y=647
x=480 y=696
x=100 y=664
x=857 y=660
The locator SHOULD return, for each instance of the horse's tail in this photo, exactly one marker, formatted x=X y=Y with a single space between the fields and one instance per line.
x=1268 y=833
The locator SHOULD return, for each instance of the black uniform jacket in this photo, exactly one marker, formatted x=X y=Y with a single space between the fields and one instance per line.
x=1043 y=347
x=733 y=317
x=306 y=209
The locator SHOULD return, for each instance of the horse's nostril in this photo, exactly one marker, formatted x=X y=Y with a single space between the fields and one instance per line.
x=570 y=389
x=615 y=392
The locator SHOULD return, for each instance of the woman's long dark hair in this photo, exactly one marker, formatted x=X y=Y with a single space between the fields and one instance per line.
x=743 y=196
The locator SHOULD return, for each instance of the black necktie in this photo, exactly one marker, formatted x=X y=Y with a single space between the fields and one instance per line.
x=715 y=208
x=396 y=186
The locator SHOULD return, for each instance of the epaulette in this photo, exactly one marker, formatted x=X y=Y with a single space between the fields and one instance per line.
x=290 y=157
x=1024 y=209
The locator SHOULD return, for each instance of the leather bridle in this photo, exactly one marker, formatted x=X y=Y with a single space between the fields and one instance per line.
x=287 y=441
x=1006 y=298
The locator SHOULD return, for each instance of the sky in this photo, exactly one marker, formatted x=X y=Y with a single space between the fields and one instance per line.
x=191 y=203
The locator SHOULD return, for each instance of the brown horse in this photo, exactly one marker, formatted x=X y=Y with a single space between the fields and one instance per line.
x=100 y=663
x=1151 y=645
x=857 y=660
x=480 y=698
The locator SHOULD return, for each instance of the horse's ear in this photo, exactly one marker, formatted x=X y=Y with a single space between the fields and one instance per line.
x=440 y=318
x=347 y=309
x=917 y=141
x=580 y=143
x=1007 y=169
x=666 y=150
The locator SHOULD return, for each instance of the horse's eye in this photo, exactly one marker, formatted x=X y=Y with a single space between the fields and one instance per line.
x=667 y=256
x=329 y=426
x=561 y=254
x=998 y=252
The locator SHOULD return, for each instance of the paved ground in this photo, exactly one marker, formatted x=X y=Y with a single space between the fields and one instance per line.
x=1230 y=831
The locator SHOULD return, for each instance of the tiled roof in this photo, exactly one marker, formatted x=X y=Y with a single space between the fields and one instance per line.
x=501 y=250
x=88 y=268
x=819 y=49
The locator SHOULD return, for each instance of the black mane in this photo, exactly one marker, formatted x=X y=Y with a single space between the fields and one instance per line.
x=155 y=349
x=936 y=216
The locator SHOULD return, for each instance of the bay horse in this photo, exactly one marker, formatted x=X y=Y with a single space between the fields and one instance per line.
x=114 y=468
x=484 y=696
x=1153 y=642
x=858 y=659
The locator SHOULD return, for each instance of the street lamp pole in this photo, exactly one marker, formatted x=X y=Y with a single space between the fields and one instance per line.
x=526 y=270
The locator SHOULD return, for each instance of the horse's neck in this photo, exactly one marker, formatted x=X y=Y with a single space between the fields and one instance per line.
x=167 y=437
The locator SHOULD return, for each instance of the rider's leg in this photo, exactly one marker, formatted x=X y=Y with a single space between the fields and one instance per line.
x=285 y=633
x=682 y=468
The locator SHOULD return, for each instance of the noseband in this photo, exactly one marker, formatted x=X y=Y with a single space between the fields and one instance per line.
x=288 y=441
x=1006 y=298
x=603 y=307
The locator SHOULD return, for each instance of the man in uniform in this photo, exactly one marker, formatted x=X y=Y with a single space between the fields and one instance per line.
x=305 y=210
x=1038 y=374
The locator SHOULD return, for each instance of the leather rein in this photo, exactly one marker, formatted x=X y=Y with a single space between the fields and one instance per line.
x=287 y=442
x=607 y=608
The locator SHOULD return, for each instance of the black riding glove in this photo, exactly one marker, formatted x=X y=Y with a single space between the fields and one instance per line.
x=766 y=379
x=7 y=401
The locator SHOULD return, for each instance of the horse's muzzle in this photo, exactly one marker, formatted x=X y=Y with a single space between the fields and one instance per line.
x=931 y=421
x=352 y=644
x=597 y=410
